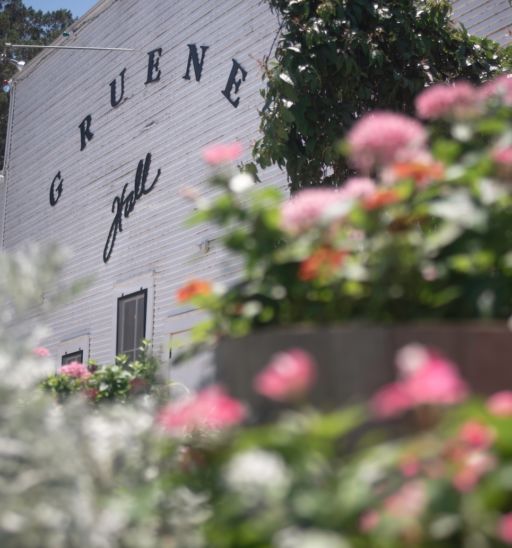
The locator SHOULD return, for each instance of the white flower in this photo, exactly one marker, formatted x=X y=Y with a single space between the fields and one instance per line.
x=257 y=474
x=241 y=182
x=294 y=537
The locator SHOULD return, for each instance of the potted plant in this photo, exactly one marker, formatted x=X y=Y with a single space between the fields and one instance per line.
x=417 y=246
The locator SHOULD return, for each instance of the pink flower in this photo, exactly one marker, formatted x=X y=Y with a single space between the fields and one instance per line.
x=410 y=466
x=210 y=409
x=222 y=153
x=75 y=369
x=427 y=378
x=436 y=382
x=289 y=375
x=447 y=100
x=91 y=393
x=476 y=435
x=500 y=87
x=391 y=400
x=382 y=138
x=41 y=352
x=500 y=404
x=408 y=502
x=369 y=521
x=307 y=207
x=503 y=156
x=505 y=528
x=474 y=465
x=358 y=187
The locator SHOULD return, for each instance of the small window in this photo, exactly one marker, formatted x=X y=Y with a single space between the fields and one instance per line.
x=131 y=323
x=77 y=356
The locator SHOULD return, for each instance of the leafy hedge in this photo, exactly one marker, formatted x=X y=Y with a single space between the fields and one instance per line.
x=337 y=59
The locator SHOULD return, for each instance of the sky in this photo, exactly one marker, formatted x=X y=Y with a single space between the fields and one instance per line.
x=77 y=7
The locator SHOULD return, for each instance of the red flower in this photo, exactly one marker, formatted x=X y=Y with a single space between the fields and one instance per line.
x=289 y=375
x=91 y=393
x=421 y=172
x=138 y=385
x=323 y=263
x=380 y=198
x=194 y=288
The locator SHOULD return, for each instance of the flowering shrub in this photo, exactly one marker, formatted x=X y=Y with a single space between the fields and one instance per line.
x=435 y=478
x=423 y=232
x=111 y=382
x=198 y=474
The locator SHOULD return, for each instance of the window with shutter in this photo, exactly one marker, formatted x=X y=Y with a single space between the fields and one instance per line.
x=131 y=323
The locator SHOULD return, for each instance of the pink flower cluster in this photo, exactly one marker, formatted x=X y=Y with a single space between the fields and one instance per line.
x=307 y=207
x=500 y=88
x=382 y=138
x=75 y=369
x=469 y=455
x=503 y=156
x=288 y=376
x=210 y=409
x=505 y=528
x=222 y=153
x=461 y=100
x=427 y=378
x=41 y=352
x=500 y=404
x=457 y=100
x=404 y=505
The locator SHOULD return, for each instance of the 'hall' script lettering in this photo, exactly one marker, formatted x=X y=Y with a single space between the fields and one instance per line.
x=124 y=204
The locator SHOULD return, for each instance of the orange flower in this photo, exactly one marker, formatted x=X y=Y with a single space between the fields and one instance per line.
x=322 y=263
x=380 y=198
x=194 y=288
x=422 y=172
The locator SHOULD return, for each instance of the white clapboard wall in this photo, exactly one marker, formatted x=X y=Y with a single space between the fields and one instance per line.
x=488 y=19
x=172 y=119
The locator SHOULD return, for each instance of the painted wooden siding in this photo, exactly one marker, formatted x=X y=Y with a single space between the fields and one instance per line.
x=172 y=119
x=489 y=19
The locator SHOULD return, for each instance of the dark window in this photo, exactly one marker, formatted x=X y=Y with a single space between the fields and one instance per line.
x=131 y=323
x=77 y=356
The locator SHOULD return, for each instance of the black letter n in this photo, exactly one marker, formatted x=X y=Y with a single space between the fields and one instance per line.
x=193 y=57
x=85 y=131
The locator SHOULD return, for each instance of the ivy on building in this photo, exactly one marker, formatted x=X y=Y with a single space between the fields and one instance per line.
x=336 y=59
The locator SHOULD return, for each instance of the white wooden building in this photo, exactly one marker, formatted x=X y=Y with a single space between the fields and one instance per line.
x=101 y=141
x=84 y=123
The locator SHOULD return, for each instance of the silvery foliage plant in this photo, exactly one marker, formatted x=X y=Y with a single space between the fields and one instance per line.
x=73 y=475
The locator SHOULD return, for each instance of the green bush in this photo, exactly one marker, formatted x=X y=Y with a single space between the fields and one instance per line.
x=423 y=233
x=337 y=59
x=119 y=381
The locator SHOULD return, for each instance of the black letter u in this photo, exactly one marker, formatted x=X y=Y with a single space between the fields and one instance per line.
x=114 y=101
